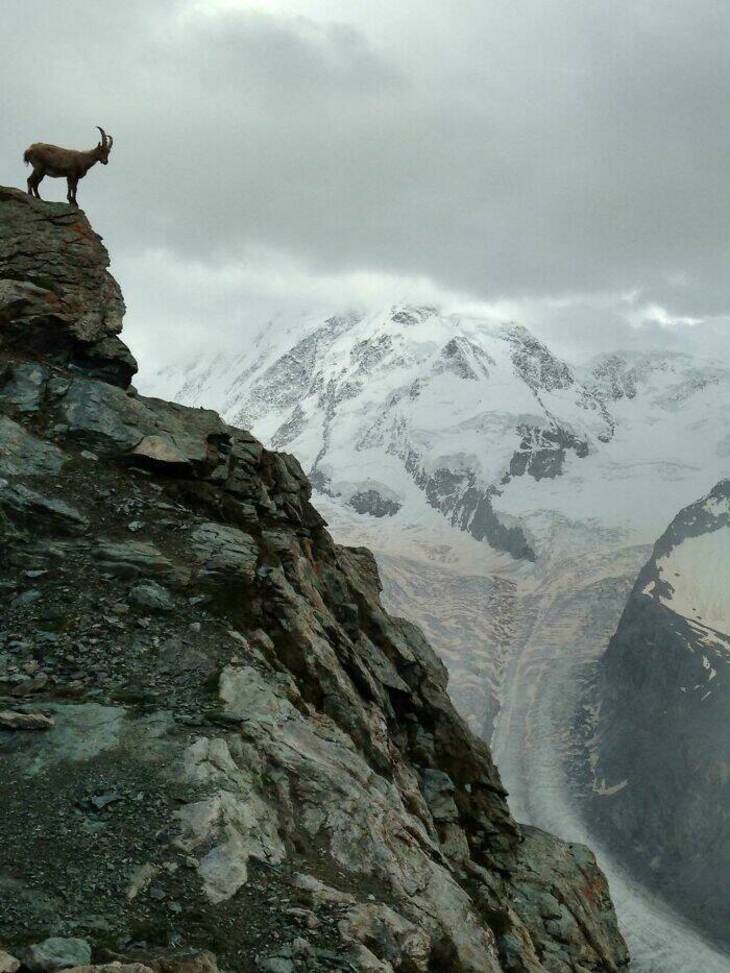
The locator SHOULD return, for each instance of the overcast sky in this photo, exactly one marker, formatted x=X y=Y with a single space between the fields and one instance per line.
x=566 y=163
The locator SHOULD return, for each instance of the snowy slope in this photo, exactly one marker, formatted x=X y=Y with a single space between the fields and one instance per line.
x=406 y=409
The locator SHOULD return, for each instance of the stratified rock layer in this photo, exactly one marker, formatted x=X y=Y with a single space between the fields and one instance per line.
x=233 y=748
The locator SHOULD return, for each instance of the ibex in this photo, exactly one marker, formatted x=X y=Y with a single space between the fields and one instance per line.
x=68 y=164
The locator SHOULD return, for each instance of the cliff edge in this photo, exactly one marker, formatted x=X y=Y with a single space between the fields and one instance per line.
x=217 y=747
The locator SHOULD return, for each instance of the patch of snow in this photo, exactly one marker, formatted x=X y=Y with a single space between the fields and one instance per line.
x=697 y=572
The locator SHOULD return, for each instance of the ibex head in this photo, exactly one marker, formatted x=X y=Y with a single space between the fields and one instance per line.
x=104 y=147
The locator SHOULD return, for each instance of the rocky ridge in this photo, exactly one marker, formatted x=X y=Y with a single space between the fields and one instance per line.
x=217 y=746
x=659 y=782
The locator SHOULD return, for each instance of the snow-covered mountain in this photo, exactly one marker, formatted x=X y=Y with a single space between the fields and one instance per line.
x=511 y=497
x=399 y=411
x=661 y=757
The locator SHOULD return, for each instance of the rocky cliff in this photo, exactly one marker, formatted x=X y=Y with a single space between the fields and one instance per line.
x=661 y=787
x=214 y=740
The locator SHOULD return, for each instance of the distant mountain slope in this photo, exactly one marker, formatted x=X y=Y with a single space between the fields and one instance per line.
x=397 y=411
x=662 y=757
x=511 y=498
x=471 y=446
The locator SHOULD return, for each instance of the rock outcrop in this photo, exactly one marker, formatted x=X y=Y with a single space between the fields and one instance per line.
x=661 y=780
x=57 y=297
x=213 y=737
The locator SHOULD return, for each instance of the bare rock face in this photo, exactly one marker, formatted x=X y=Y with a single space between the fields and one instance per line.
x=8 y=963
x=268 y=768
x=56 y=295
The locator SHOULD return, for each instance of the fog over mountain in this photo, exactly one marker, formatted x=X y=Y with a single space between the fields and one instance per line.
x=560 y=163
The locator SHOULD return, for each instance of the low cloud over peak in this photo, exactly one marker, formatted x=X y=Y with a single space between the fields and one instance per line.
x=520 y=153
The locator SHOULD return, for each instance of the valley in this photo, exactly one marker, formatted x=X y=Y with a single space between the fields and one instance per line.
x=512 y=499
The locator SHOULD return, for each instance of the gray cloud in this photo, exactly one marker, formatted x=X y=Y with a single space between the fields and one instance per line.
x=523 y=152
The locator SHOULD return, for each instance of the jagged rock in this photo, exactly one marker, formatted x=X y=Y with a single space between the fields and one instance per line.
x=8 y=963
x=276 y=742
x=109 y=359
x=104 y=416
x=12 y=720
x=26 y=386
x=438 y=791
x=22 y=452
x=388 y=936
x=372 y=502
x=160 y=452
x=133 y=559
x=246 y=695
x=115 y=967
x=31 y=686
x=56 y=294
x=543 y=451
x=56 y=953
x=659 y=783
x=148 y=432
x=222 y=550
x=152 y=596
x=31 y=508
x=233 y=825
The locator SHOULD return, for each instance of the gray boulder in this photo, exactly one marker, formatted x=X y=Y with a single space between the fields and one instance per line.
x=222 y=550
x=27 y=507
x=134 y=559
x=20 y=452
x=151 y=596
x=56 y=953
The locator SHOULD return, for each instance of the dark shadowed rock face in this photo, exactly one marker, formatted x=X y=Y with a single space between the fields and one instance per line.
x=542 y=452
x=372 y=502
x=661 y=787
x=469 y=507
x=212 y=735
x=540 y=369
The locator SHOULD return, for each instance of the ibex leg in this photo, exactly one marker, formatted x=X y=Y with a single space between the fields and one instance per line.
x=34 y=181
